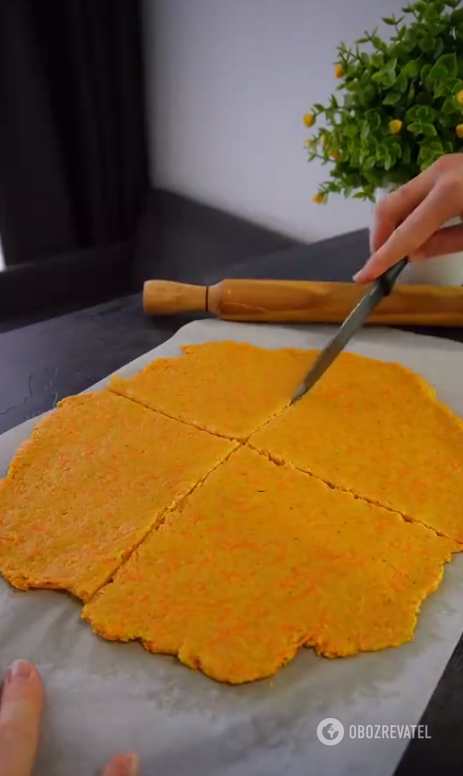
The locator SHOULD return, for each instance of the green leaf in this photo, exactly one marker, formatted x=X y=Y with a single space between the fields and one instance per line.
x=449 y=106
x=438 y=73
x=439 y=45
x=382 y=151
x=392 y=98
x=397 y=51
x=425 y=113
x=426 y=43
x=334 y=102
x=394 y=146
x=365 y=131
x=424 y=75
x=369 y=163
x=428 y=130
x=412 y=68
x=389 y=20
x=442 y=90
x=377 y=60
x=374 y=119
x=425 y=153
x=425 y=70
x=389 y=78
x=415 y=128
x=319 y=107
x=412 y=113
x=447 y=64
x=401 y=83
x=366 y=95
x=447 y=121
x=409 y=40
x=378 y=43
x=388 y=162
x=377 y=78
x=411 y=92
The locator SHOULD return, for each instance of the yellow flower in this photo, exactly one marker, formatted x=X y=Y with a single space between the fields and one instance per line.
x=335 y=154
x=459 y=130
x=318 y=198
x=338 y=71
x=459 y=96
x=309 y=120
x=395 y=126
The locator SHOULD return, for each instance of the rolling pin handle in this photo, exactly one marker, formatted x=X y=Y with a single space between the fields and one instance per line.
x=165 y=297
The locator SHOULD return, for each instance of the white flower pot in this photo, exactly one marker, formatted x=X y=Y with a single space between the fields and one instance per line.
x=441 y=271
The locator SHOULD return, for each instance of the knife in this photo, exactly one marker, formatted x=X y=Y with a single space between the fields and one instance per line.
x=381 y=288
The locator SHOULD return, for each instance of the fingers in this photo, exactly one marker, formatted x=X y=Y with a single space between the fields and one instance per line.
x=409 y=236
x=123 y=765
x=448 y=240
x=393 y=210
x=20 y=712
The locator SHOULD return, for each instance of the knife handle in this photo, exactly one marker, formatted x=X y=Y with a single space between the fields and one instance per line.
x=387 y=279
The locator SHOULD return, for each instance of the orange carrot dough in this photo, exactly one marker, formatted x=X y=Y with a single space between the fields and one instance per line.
x=227 y=388
x=260 y=560
x=95 y=477
x=378 y=430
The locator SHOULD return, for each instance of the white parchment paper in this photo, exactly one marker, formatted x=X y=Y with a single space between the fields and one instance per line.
x=103 y=698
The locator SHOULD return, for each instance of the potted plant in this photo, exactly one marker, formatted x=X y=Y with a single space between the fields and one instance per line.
x=398 y=108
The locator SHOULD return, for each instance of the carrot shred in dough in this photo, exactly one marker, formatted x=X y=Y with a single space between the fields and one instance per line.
x=378 y=430
x=261 y=559
x=95 y=477
x=227 y=388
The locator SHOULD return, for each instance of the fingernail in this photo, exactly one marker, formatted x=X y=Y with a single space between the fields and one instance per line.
x=359 y=276
x=18 y=670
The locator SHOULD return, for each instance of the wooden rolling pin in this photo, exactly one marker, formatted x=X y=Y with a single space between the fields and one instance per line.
x=304 y=301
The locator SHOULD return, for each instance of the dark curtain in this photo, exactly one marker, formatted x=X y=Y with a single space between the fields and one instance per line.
x=73 y=166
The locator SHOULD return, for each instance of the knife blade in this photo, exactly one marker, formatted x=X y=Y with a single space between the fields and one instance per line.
x=381 y=288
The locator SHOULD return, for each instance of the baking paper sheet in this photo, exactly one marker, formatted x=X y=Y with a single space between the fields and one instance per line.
x=103 y=698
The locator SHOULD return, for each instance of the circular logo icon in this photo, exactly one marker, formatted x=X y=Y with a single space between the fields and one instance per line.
x=330 y=731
